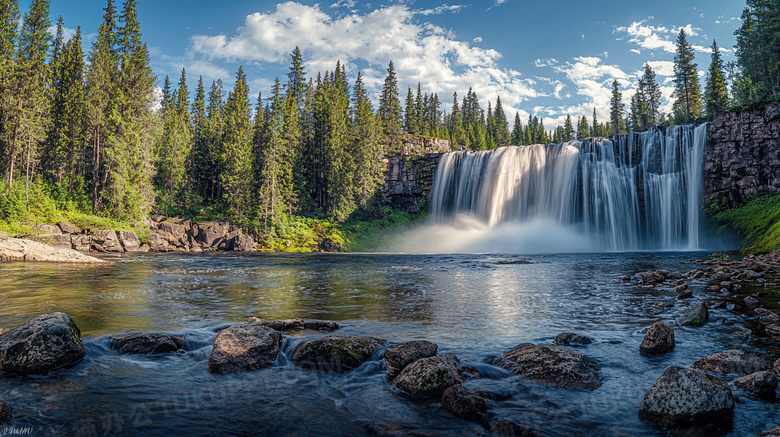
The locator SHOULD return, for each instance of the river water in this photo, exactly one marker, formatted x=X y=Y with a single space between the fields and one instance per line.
x=475 y=306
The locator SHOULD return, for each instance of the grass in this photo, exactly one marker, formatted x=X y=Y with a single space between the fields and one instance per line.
x=757 y=222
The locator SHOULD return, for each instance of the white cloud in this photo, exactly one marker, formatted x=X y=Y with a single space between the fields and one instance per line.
x=67 y=32
x=662 y=68
x=658 y=37
x=478 y=39
x=635 y=51
x=421 y=52
x=344 y=4
x=441 y=9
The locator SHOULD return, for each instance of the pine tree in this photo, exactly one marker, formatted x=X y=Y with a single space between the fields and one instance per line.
x=687 y=107
x=502 y=126
x=568 y=129
x=198 y=161
x=652 y=98
x=595 y=132
x=410 y=114
x=617 y=110
x=390 y=110
x=638 y=112
x=237 y=148
x=757 y=41
x=517 y=131
x=365 y=149
x=583 y=131
x=716 y=95
x=9 y=22
x=175 y=148
x=458 y=137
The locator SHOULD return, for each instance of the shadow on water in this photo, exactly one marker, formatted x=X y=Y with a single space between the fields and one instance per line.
x=476 y=306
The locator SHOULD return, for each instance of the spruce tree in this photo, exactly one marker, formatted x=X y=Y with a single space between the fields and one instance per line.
x=237 y=148
x=517 y=131
x=567 y=133
x=365 y=149
x=410 y=114
x=716 y=95
x=617 y=110
x=595 y=132
x=757 y=41
x=389 y=111
x=9 y=23
x=687 y=107
x=652 y=97
x=458 y=137
x=583 y=131
x=502 y=127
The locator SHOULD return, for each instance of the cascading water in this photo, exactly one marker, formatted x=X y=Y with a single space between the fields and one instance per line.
x=637 y=192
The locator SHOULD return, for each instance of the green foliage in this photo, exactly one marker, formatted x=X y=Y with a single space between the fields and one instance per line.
x=716 y=94
x=617 y=110
x=376 y=230
x=687 y=107
x=758 y=39
x=758 y=222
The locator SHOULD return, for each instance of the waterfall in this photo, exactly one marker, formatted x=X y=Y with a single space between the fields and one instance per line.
x=638 y=191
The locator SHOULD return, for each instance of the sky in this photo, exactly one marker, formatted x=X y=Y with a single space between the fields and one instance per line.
x=546 y=58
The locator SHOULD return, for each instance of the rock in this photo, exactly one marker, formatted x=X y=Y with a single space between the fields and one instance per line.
x=658 y=339
x=81 y=242
x=772 y=329
x=767 y=316
x=696 y=315
x=293 y=324
x=68 y=228
x=776 y=366
x=750 y=300
x=464 y=403
x=49 y=229
x=774 y=432
x=570 y=338
x=153 y=343
x=399 y=356
x=328 y=245
x=129 y=241
x=46 y=343
x=685 y=293
x=649 y=278
x=60 y=240
x=337 y=354
x=211 y=233
x=244 y=347
x=243 y=243
x=551 y=364
x=106 y=240
x=6 y=412
x=176 y=230
x=15 y=249
x=430 y=377
x=731 y=361
x=507 y=428
x=682 y=395
x=762 y=384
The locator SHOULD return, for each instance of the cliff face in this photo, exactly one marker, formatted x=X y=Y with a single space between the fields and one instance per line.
x=743 y=156
x=409 y=175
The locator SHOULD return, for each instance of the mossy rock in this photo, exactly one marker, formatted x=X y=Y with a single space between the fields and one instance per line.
x=337 y=353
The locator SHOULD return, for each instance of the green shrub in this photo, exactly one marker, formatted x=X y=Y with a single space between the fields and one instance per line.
x=757 y=222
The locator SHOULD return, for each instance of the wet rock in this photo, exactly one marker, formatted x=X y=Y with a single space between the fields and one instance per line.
x=244 y=347
x=464 y=403
x=731 y=361
x=774 y=432
x=685 y=293
x=570 y=338
x=430 y=377
x=129 y=241
x=46 y=343
x=152 y=343
x=681 y=287
x=337 y=353
x=507 y=428
x=68 y=228
x=762 y=384
x=767 y=316
x=750 y=300
x=293 y=324
x=720 y=305
x=776 y=366
x=6 y=412
x=551 y=364
x=696 y=315
x=773 y=329
x=682 y=395
x=320 y=325
x=399 y=356
x=658 y=339
x=648 y=278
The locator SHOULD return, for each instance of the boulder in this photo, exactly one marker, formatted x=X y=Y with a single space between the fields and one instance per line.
x=683 y=395
x=649 y=278
x=6 y=412
x=731 y=361
x=210 y=233
x=551 y=364
x=430 y=377
x=176 y=230
x=776 y=366
x=293 y=324
x=15 y=249
x=320 y=325
x=774 y=432
x=46 y=343
x=507 y=428
x=570 y=338
x=767 y=316
x=328 y=245
x=129 y=241
x=337 y=354
x=60 y=240
x=399 y=356
x=772 y=330
x=464 y=403
x=696 y=315
x=106 y=240
x=762 y=384
x=68 y=228
x=80 y=242
x=685 y=293
x=658 y=339
x=153 y=343
x=48 y=229
x=244 y=347
x=243 y=243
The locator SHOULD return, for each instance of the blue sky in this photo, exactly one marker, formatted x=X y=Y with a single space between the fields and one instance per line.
x=547 y=58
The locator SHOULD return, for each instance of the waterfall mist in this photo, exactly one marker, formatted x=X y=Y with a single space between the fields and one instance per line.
x=637 y=192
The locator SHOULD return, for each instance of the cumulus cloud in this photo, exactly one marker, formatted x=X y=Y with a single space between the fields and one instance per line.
x=421 y=51
x=67 y=32
x=652 y=37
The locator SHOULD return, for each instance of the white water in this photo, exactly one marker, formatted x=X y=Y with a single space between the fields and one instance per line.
x=639 y=192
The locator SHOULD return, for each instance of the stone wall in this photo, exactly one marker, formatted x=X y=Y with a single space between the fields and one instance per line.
x=409 y=175
x=743 y=156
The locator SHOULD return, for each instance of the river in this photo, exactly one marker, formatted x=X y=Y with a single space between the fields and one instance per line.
x=475 y=306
